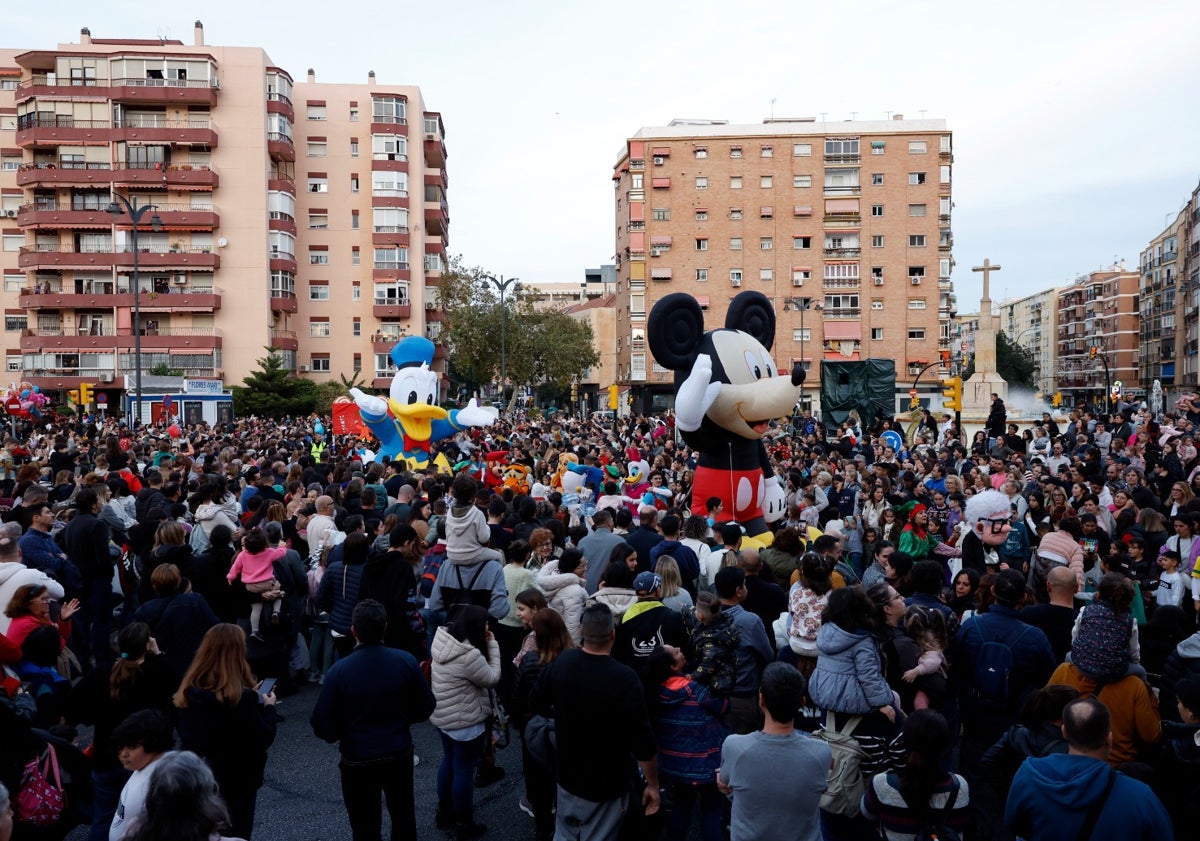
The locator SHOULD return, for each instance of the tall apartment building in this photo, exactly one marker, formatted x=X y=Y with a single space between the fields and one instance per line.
x=844 y=226
x=1099 y=310
x=1170 y=303
x=963 y=332
x=259 y=185
x=1032 y=323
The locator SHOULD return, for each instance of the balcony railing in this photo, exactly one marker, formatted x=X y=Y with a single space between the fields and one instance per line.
x=67 y=165
x=64 y=207
x=843 y=159
x=159 y=121
x=843 y=252
x=58 y=121
x=279 y=137
x=391 y=229
x=398 y=265
x=385 y=301
x=108 y=330
x=843 y=312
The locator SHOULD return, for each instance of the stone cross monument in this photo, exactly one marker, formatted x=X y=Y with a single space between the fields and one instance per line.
x=978 y=391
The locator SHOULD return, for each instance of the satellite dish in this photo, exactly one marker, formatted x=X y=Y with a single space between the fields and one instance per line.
x=222 y=242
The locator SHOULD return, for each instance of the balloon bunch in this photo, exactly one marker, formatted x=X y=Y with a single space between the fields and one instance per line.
x=30 y=397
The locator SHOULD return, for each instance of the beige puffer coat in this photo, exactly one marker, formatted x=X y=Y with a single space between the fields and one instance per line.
x=461 y=679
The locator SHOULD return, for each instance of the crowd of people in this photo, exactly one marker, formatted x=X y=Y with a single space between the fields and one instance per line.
x=989 y=638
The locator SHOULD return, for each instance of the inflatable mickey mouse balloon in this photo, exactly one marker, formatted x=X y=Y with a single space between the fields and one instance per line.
x=727 y=392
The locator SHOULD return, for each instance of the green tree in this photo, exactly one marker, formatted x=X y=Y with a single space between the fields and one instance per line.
x=272 y=391
x=162 y=369
x=1015 y=364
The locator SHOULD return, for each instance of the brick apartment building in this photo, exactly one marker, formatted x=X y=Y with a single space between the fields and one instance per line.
x=1170 y=303
x=1099 y=310
x=844 y=226
x=284 y=208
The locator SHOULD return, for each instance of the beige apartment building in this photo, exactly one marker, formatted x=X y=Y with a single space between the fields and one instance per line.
x=1169 y=267
x=282 y=214
x=1098 y=310
x=844 y=226
x=1032 y=323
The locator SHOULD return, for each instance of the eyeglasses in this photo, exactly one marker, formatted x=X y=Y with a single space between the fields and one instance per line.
x=997 y=524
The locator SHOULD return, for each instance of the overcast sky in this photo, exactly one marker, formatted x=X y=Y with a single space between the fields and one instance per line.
x=1076 y=124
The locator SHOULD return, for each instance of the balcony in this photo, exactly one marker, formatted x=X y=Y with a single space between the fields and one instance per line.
x=53 y=130
x=843 y=159
x=171 y=176
x=61 y=215
x=277 y=103
x=383 y=342
x=65 y=174
x=158 y=129
x=285 y=339
x=172 y=338
x=177 y=299
x=842 y=312
x=435 y=151
x=282 y=185
x=843 y=220
x=847 y=190
x=843 y=252
x=283 y=301
x=280 y=146
x=384 y=307
x=54 y=258
x=157 y=91
x=437 y=217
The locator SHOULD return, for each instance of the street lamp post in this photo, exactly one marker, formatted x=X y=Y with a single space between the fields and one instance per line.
x=803 y=305
x=117 y=208
x=502 y=285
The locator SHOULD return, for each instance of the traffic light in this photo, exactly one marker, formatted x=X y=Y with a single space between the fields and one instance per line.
x=952 y=393
x=1056 y=399
x=85 y=394
x=574 y=392
x=613 y=397
x=1092 y=353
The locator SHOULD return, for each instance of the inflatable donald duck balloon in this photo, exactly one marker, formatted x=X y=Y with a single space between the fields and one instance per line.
x=408 y=421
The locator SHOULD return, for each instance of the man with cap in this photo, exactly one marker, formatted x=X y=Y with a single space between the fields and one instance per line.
x=1003 y=660
x=648 y=623
x=1078 y=794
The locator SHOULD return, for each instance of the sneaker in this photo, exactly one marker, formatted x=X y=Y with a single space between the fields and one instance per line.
x=488 y=774
x=274 y=619
x=416 y=760
x=526 y=806
x=257 y=635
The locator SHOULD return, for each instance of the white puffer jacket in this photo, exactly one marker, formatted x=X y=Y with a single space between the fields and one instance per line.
x=565 y=593
x=461 y=679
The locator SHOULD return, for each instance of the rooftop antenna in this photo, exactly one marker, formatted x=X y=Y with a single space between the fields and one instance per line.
x=772 y=108
x=889 y=114
x=853 y=115
x=922 y=113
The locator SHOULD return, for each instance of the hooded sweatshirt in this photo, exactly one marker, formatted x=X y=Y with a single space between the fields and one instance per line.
x=565 y=593
x=467 y=535
x=688 y=727
x=616 y=599
x=849 y=674
x=1050 y=797
x=14 y=575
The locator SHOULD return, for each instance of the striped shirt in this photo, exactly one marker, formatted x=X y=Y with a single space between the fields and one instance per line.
x=883 y=802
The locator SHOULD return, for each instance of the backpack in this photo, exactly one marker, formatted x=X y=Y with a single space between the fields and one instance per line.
x=935 y=828
x=992 y=684
x=429 y=572
x=198 y=539
x=454 y=598
x=845 y=785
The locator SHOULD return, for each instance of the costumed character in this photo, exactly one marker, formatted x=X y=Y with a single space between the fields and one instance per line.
x=516 y=476
x=493 y=472
x=637 y=478
x=916 y=539
x=988 y=516
x=593 y=476
x=564 y=459
x=727 y=391
x=408 y=421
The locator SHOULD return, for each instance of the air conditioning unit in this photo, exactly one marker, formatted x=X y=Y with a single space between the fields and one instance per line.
x=431 y=137
x=430 y=305
x=180 y=280
x=655 y=252
x=659 y=160
x=303 y=369
x=915 y=280
x=878 y=281
x=106 y=378
x=10 y=213
x=797 y=281
x=736 y=281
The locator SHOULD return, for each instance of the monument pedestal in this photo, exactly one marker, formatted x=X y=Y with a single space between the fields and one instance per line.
x=978 y=391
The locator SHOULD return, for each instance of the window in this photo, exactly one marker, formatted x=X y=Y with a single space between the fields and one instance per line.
x=735 y=275
x=356 y=293
x=317 y=149
x=735 y=213
x=15 y=323
x=318 y=329
x=801 y=275
x=735 y=243
x=14 y=242
x=876 y=179
x=765 y=243
x=735 y=151
x=354 y=113
x=389 y=147
x=318 y=185
x=916 y=178
x=701 y=183
x=14 y=282
x=916 y=240
x=735 y=182
x=390 y=220
x=877 y=240
x=841 y=302
x=388 y=109
x=318 y=258
x=876 y=210
x=391 y=258
x=944 y=174
x=8 y=84
x=354 y=148
x=354 y=220
x=800 y=181
x=354 y=183
x=701 y=274
x=316 y=112
x=917 y=147
x=766 y=212
x=876 y=334
x=10 y=163
x=841 y=146
x=355 y=256
x=916 y=303
x=318 y=363
x=356 y=327
x=766 y=274
x=701 y=215
x=702 y=243
x=916 y=210
x=766 y=152
x=804 y=335
x=701 y=152
x=877 y=303
x=318 y=221
x=877 y=147
x=638 y=181
x=916 y=334
x=357 y=362
x=916 y=271
x=802 y=150
x=318 y=292
x=765 y=181
x=391 y=184
x=800 y=243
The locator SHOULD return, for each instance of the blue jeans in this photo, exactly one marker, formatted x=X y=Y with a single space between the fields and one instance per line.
x=456 y=774
x=106 y=793
x=98 y=608
x=683 y=800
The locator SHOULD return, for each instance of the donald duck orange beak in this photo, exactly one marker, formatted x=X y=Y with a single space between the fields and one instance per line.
x=418 y=418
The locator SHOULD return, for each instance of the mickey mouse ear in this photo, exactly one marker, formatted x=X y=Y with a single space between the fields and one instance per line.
x=675 y=330
x=751 y=312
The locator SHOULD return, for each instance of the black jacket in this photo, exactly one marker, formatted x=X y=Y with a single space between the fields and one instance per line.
x=233 y=740
x=178 y=623
x=85 y=540
x=388 y=578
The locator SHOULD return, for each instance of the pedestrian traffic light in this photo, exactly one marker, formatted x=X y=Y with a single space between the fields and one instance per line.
x=1092 y=353
x=612 y=397
x=85 y=394
x=952 y=393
